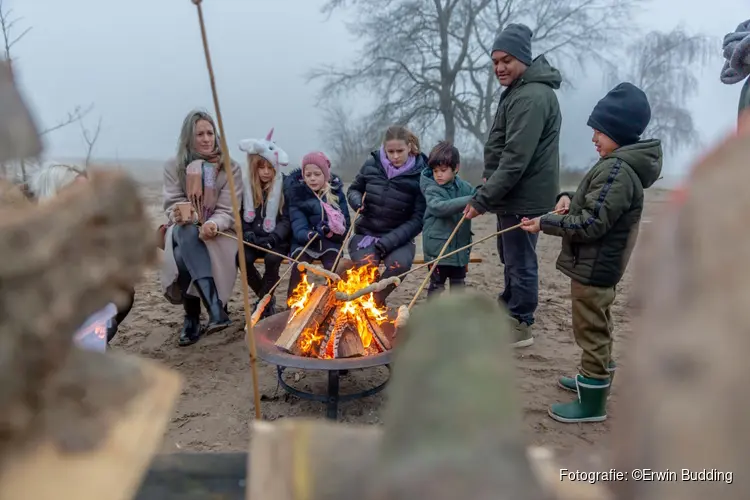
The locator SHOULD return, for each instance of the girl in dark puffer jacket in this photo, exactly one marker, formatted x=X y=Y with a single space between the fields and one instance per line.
x=393 y=210
x=317 y=206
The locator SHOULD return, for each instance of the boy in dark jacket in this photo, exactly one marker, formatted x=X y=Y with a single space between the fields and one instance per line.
x=446 y=195
x=598 y=233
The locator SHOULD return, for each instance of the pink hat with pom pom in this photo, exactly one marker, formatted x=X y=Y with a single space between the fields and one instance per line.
x=320 y=160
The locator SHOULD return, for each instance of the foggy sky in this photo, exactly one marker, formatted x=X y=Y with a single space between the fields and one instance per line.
x=141 y=63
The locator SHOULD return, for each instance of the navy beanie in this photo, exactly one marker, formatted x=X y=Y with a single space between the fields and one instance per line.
x=515 y=40
x=623 y=114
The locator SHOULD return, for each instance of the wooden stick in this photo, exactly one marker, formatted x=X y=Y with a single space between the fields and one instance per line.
x=454 y=252
x=235 y=209
x=261 y=304
x=349 y=233
x=432 y=269
x=256 y=247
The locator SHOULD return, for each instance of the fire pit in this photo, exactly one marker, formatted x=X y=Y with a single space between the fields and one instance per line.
x=332 y=327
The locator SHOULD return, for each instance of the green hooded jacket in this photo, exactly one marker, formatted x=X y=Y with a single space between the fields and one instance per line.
x=445 y=206
x=601 y=226
x=522 y=153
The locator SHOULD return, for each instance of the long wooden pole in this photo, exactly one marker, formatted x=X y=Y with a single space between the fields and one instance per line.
x=236 y=210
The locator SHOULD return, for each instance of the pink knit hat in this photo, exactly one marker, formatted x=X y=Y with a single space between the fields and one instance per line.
x=320 y=160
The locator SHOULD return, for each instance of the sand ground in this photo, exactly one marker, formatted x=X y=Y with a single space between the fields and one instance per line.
x=216 y=403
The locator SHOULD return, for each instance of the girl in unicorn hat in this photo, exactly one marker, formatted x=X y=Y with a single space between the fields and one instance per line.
x=317 y=206
x=265 y=215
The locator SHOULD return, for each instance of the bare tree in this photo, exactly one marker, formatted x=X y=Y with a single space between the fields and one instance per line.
x=664 y=66
x=428 y=60
x=10 y=39
x=348 y=139
x=90 y=139
x=7 y=24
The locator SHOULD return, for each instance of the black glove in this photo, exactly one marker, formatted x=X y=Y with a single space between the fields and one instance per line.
x=265 y=242
x=311 y=234
x=322 y=229
x=249 y=236
x=380 y=248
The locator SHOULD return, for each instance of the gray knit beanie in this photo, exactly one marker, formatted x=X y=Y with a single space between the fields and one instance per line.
x=515 y=40
x=736 y=54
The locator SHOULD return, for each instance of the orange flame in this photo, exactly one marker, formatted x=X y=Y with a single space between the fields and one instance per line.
x=357 y=312
x=299 y=297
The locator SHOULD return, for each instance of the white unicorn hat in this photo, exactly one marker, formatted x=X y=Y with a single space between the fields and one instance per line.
x=278 y=158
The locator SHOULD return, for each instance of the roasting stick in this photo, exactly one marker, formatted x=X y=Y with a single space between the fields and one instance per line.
x=432 y=269
x=454 y=252
x=267 y=297
x=349 y=233
x=235 y=209
x=403 y=311
x=256 y=247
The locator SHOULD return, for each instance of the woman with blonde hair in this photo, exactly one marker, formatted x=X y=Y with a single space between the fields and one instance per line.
x=199 y=265
x=265 y=214
x=393 y=210
x=50 y=180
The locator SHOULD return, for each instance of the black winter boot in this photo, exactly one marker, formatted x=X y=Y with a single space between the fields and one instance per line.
x=217 y=315
x=191 y=328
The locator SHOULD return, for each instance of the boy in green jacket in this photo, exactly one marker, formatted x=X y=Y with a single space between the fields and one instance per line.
x=446 y=195
x=599 y=232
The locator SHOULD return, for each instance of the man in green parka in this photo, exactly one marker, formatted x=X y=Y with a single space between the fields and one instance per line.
x=521 y=167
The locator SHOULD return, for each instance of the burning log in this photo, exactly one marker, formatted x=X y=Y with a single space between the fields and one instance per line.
x=312 y=315
x=350 y=343
x=378 y=335
x=331 y=324
x=375 y=287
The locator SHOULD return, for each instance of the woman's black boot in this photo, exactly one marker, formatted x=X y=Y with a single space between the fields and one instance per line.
x=218 y=319
x=191 y=329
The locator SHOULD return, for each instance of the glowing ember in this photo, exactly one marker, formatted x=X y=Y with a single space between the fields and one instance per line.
x=331 y=328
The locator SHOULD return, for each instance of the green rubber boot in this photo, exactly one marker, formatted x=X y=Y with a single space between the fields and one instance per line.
x=591 y=405
x=569 y=383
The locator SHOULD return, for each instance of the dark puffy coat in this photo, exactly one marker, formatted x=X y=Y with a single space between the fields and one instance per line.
x=601 y=226
x=522 y=153
x=281 y=233
x=394 y=208
x=306 y=213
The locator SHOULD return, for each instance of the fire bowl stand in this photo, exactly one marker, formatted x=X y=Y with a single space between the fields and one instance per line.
x=268 y=331
x=333 y=398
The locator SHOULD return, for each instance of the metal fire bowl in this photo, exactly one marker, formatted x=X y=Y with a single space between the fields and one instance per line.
x=268 y=331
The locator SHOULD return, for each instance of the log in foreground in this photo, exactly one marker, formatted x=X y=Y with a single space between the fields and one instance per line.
x=452 y=425
x=18 y=133
x=684 y=398
x=64 y=412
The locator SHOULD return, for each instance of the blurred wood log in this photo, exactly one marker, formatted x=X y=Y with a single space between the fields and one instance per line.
x=114 y=466
x=684 y=398
x=18 y=134
x=451 y=429
x=72 y=422
x=299 y=458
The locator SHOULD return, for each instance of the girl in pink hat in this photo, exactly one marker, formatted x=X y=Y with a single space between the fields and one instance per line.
x=317 y=206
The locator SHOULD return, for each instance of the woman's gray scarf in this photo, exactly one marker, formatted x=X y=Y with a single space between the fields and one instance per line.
x=737 y=54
